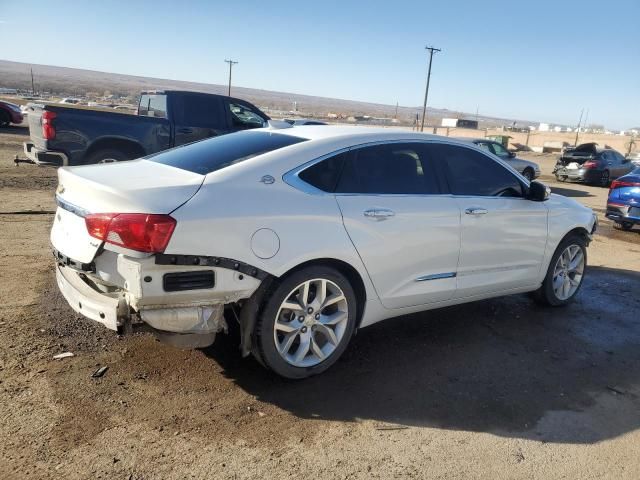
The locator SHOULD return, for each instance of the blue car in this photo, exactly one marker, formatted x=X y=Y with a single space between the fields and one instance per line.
x=623 y=204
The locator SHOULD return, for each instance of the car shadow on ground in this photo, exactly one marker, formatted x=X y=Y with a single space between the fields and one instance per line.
x=505 y=366
x=571 y=192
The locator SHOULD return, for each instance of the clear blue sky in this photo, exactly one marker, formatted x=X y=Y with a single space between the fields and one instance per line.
x=540 y=60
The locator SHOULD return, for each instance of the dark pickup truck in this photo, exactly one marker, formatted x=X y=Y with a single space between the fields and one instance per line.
x=63 y=135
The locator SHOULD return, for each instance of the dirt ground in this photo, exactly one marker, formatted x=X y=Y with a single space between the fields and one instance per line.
x=494 y=389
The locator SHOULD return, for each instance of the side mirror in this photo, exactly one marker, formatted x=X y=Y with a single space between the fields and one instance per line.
x=512 y=154
x=538 y=191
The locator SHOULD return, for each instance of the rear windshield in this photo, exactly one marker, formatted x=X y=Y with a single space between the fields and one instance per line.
x=216 y=153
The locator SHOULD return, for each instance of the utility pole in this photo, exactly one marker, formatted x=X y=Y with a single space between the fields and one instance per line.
x=426 y=92
x=33 y=88
x=231 y=64
x=575 y=143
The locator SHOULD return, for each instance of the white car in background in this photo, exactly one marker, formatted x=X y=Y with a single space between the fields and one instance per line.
x=304 y=234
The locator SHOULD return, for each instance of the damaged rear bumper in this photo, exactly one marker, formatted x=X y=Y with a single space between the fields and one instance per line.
x=184 y=319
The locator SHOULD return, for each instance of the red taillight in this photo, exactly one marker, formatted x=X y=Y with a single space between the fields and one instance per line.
x=48 y=130
x=590 y=164
x=621 y=183
x=143 y=232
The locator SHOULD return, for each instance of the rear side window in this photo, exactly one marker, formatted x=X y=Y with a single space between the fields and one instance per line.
x=200 y=111
x=471 y=173
x=324 y=175
x=153 y=106
x=394 y=168
x=219 y=152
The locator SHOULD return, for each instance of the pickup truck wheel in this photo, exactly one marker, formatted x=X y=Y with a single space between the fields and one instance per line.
x=307 y=322
x=108 y=155
x=565 y=274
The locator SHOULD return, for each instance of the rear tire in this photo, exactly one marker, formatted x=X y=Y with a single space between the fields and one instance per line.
x=561 y=178
x=5 y=119
x=625 y=225
x=559 y=287
x=108 y=155
x=298 y=334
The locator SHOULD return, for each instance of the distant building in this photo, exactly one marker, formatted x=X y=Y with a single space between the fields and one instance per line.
x=459 y=122
x=543 y=127
x=8 y=91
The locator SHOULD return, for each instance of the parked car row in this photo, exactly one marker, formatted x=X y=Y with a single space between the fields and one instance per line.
x=590 y=163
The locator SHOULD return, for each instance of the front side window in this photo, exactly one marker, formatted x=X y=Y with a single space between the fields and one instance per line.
x=394 y=168
x=242 y=116
x=484 y=146
x=219 y=152
x=470 y=173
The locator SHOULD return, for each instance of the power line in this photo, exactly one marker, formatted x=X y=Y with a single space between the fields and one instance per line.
x=231 y=64
x=426 y=92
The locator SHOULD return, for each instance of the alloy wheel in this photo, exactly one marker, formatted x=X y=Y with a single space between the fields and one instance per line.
x=568 y=272
x=311 y=322
x=604 y=179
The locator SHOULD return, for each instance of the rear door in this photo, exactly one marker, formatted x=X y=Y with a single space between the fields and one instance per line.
x=503 y=234
x=196 y=117
x=407 y=234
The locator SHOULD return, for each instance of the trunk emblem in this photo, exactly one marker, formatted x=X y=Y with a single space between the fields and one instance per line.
x=267 y=179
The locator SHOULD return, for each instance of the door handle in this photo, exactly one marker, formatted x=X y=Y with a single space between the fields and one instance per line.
x=379 y=213
x=185 y=130
x=476 y=211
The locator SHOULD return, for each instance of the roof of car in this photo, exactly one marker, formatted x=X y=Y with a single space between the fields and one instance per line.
x=319 y=132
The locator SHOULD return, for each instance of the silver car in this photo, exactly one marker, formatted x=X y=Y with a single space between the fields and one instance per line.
x=529 y=170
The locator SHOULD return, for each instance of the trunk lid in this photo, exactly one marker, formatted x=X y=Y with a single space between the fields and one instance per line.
x=138 y=186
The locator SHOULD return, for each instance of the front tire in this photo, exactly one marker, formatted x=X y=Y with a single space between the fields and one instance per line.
x=5 y=119
x=306 y=323
x=565 y=273
x=528 y=174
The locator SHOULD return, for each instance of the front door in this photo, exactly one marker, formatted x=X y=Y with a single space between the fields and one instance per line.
x=503 y=234
x=407 y=235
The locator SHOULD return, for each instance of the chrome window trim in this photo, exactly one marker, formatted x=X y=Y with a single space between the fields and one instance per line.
x=293 y=179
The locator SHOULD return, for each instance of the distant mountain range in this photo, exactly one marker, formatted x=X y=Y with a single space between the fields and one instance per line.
x=74 y=82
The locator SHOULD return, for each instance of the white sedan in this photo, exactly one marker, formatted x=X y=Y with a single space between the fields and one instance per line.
x=305 y=234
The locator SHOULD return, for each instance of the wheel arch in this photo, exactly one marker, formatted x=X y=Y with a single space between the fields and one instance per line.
x=253 y=306
x=130 y=147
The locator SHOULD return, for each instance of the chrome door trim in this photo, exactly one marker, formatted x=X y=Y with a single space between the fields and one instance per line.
x=436 y=276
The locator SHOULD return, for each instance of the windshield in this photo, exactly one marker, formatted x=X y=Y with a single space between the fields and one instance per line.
x=216 y=153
